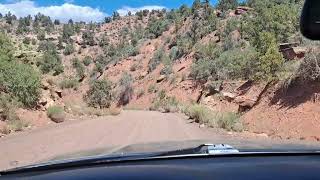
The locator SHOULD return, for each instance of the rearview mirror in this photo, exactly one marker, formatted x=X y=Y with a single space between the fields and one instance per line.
x=310 y=19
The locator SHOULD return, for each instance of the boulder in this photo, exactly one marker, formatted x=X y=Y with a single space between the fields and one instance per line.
x=143 y=75
x=161 y=78
x=245 y=101
x=45 y=101
x=58 y=118
x=251 y=97
x=45 y=85
x=58 y=92
x=229 y=96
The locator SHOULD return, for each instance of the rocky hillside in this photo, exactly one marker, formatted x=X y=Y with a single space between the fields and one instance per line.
x=241 y=67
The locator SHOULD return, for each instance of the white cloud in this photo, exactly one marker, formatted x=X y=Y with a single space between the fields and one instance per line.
x=124 y=10
x=63 y=12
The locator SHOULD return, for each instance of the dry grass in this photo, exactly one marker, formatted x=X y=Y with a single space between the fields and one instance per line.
x=134 y=108
x=114 y=111
x=5 y=129
x=17 y=125
x=203 y=115
x=56 y=114
x=83 y=110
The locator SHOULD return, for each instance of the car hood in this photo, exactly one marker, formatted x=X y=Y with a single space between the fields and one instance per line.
x=244 y=145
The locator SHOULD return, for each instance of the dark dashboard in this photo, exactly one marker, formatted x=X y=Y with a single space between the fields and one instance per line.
x=235 y=167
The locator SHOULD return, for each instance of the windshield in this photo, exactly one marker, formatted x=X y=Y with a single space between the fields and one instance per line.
x=77 y=76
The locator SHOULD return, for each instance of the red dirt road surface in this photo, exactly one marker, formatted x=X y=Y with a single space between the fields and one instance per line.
x=130 y=127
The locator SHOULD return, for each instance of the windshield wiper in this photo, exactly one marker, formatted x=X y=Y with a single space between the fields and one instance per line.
x=209 y=149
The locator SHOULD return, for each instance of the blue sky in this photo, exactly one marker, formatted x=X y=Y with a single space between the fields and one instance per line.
x=109 y=6
x=86 y=10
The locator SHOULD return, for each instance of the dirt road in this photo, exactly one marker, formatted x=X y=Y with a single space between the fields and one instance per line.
x=131 y=127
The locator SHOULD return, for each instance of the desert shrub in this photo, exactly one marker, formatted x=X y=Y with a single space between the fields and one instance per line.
x=97 y=69
x=107 y=19
x=269 y=64
x=236 y=64
x=50 y=62
x=88 y=38
x=156 y=27
x=20 y=80
x=199 y=113
x=80 y=110
x=225 y=5
x=140 y=93
x=167 y=69
x=145 y=12
x=173 y=55
x=6 y=48
x=101 y=61
x=280 y=18
x=229 y=121
x=56 y=114
x=17 y=125
x=231 y=64
x=208 y=51
x=10 y=18
x=156 y=59
x=164 y=103
x=203 y=115
x=184 y=45
x=33 y=41
x=69 y=83
x=239 y=63
x=137 y=35
x=104 y=40
x=69 y=49
x=123 y=50
x=139 y=14
x=309 y=69
x=26 y=40
x=202 y=24
x=5 y=129
x=196 y=5
x=173 y=79
x=8 y=105
x=99 y=94
x=87 y=60
x=152 y=88
x=126 y=88
x=41 y=35
x=77 y=27
x=80 y=69
x=134 y=67
x=56 y=22
x=202 y=69
x=115 y=16
x=270 y=60
x=47 y=46
x=60 y=43
x=67 y=32
x=128 y=50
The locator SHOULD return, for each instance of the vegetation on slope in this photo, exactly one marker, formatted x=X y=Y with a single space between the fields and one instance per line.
x=222 y=45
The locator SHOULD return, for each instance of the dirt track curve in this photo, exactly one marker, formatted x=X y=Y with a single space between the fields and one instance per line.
x=131 y=127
